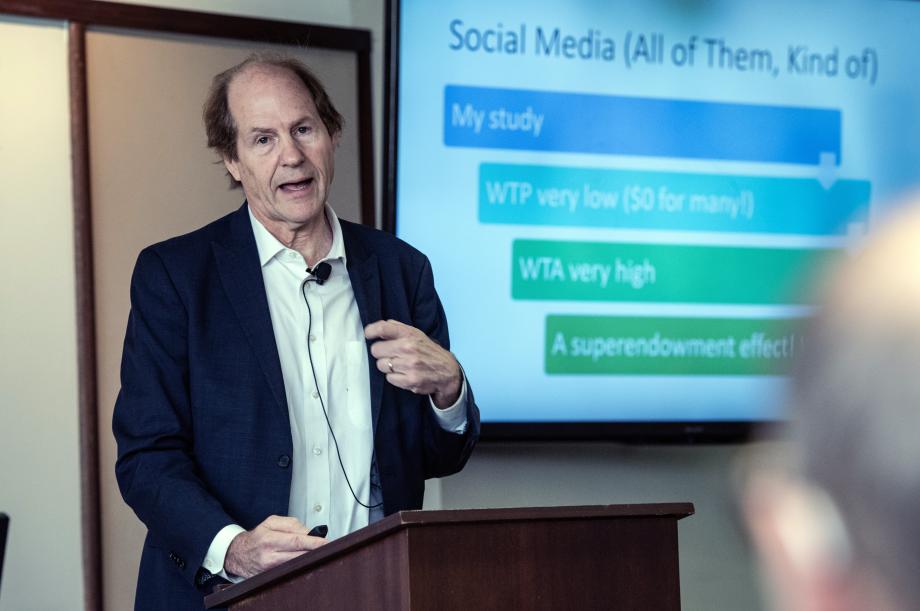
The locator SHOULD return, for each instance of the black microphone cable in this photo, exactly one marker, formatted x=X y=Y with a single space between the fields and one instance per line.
x=321 y=274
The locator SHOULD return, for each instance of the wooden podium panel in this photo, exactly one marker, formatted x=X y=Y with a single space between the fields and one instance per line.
x=620 y=557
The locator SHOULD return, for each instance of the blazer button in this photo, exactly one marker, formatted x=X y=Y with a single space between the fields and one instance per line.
x=284 y=460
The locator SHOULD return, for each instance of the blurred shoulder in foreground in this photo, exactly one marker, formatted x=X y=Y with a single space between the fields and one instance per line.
x=836 y=526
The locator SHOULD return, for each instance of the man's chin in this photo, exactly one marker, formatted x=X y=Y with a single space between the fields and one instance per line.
x=301 y=210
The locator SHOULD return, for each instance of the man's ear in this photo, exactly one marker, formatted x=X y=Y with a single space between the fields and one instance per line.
x=336 y=138
x=233 y=167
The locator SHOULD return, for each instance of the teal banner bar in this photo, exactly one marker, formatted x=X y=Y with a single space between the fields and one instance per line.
x=631 y=199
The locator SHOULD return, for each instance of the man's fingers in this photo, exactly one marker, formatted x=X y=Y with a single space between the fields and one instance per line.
x=284 y=524
x=272 y=558
x=386 y=348
x=276 y=558
x=398 y=364
x=254 y=551
x=407 y=382
x=290 y=542
x=386 y=365
x=387 y=329
x=413 y=361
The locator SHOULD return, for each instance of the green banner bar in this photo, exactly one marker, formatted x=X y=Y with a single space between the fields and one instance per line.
x=669 y=345
x=600 y=271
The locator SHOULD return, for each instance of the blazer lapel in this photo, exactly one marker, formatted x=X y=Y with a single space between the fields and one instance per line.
x=241 y=275
x=364 y=273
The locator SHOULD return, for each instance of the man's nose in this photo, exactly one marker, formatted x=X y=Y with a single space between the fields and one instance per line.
x=291 y=153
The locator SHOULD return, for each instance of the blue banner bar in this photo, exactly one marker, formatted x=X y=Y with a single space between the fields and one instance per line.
x=520 y=119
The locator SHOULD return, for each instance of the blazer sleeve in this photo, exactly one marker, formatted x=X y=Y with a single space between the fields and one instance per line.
x=445 y=452
x=155 y=468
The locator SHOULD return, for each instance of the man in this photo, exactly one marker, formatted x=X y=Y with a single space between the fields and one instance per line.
x=837 y=528
x=282 y=369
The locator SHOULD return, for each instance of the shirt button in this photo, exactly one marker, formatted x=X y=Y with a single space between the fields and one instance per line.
x=317 y=451
x=315 y=394
x=292 y=254
x=284 y=460
x=317 y=508
x=312 y=337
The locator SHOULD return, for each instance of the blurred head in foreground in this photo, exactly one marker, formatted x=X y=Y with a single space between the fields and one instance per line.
x=839 y=527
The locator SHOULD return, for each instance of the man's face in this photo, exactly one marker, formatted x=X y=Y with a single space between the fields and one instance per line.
x=285 y=156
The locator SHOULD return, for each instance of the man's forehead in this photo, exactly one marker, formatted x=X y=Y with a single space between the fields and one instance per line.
x=257 y=70
x=258 y=83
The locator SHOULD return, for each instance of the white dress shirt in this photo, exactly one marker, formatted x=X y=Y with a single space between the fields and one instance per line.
x=330 y=334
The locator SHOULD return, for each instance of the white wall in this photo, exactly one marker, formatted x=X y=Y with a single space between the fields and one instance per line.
x=39 y=454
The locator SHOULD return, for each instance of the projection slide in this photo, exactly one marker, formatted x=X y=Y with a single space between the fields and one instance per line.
x=626 y=204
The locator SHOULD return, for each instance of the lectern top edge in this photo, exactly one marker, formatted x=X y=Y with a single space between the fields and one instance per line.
x=425 y=518
x=564 y=512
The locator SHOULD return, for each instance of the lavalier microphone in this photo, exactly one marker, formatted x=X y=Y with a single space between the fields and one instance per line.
x=320 y=273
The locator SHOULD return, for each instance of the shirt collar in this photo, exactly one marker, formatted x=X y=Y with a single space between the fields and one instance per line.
x=269 y=246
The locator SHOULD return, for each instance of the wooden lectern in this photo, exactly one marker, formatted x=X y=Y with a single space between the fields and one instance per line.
x=621 y=557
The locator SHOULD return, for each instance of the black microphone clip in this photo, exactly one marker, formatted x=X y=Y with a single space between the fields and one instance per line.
x=320 y=273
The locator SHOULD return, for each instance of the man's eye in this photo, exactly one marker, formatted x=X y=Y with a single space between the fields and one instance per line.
x=303 y=129
x=262 y=140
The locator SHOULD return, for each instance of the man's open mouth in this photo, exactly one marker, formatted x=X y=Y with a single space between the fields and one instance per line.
x=293 y=187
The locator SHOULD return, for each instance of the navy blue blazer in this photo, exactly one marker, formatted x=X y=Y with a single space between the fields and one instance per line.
x=202 y=420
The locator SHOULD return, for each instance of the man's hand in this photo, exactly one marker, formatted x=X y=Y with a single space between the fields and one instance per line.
x=411 y=360
x=276 y=540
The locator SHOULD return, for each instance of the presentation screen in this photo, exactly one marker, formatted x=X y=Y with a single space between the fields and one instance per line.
x=626 y=203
